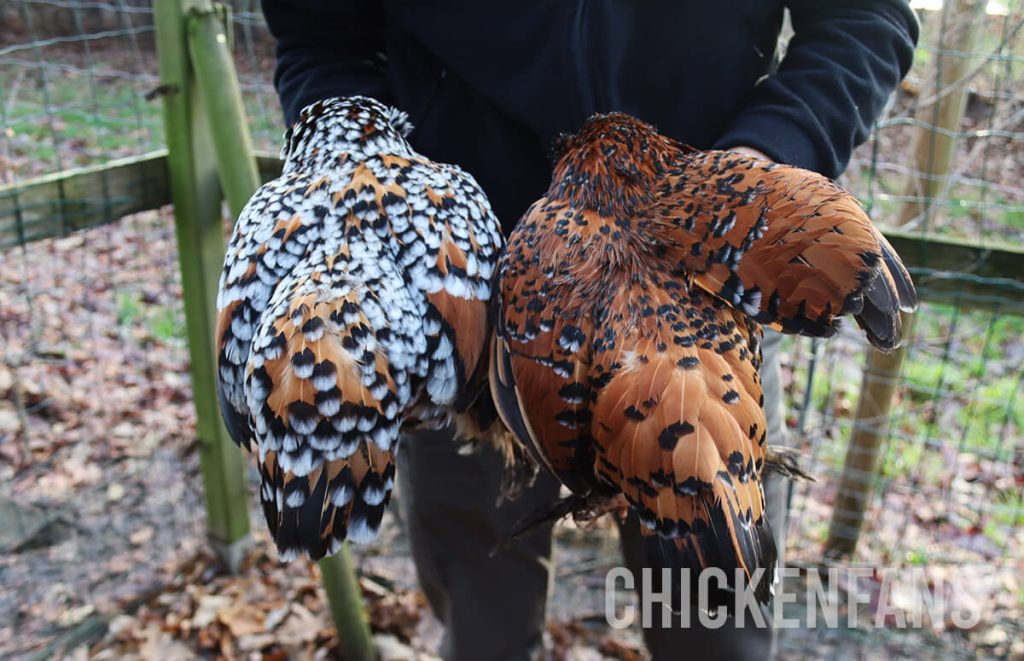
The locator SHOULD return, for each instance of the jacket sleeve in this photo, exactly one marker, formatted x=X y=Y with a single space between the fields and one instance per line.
x=845 y=59
x=327 y=48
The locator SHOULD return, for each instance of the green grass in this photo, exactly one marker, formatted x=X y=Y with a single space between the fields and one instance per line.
x=1008 y=509
x=960 y=393
x=74 y=121
x=916 y=558
x=959 y=390
x=129 y=308
x=1014 y=217
x=974 y=381
x=167 y=324
x=970 y=211
x=163 y=323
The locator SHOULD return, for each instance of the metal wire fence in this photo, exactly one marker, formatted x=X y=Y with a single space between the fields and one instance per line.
x=75 y=76
x=93 y=378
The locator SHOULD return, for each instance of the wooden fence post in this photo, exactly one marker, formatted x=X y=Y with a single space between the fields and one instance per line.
x=346 y=600
x=934 y=145
x=199 y=225
x=221 y=100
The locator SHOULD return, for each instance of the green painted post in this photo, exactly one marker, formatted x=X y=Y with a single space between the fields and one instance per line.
x=346 y=601
x=221 y=100
x=200 y=231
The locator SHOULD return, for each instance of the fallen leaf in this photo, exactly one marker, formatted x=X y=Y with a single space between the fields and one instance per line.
x=206 y=611
x=255 y=642
x=389 y=648
x=73 y=616
x=301 y=627
x=6 y=380
x=397 y=613
x=242 y=619
x=10 y=423
x=619 y=650
x=160 y=645
x=277 y=616
x=115 y=492
x=141 y=536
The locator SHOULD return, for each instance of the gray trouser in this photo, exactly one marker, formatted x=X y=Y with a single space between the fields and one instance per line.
x=493 y=606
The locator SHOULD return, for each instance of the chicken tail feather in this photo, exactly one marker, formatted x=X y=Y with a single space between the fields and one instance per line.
x=708 y=544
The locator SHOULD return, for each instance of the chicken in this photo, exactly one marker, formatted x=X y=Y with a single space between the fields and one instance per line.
x=353 y=304
x=629 y=306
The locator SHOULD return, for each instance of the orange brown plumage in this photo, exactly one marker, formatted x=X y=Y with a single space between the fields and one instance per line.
x=628 y=311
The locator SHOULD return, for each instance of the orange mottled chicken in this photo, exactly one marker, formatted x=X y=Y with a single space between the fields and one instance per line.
x=629 y=306
x=353 y=303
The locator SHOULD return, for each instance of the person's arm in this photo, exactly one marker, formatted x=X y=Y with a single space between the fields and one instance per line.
x=845 y=59
x=327 y=48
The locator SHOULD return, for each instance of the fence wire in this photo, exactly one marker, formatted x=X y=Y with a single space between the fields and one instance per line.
x=96 y=426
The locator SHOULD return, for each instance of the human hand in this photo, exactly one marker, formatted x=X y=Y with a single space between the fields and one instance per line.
x=750 y=151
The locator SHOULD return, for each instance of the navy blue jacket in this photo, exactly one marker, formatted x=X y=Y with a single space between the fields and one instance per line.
x=489 y=84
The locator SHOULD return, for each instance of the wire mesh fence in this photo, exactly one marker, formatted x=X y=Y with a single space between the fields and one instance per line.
x=96 y=427
x=75 y=77
x=965 y=50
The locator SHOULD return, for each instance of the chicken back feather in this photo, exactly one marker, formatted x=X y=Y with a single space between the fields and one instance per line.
x=628 y=311
x=353 y=303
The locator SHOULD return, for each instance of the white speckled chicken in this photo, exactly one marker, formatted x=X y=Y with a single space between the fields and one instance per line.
x=353 y=303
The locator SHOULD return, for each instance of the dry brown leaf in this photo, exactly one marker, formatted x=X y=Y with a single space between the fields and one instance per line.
x=397 y=613
x=6 y=380
x=620 y=650
x=160 y=645
x=255 y=642
x=75 y=615
x=10 y=423
x=209 y=637
x=207 y=609
x=301 y=627
x=277 y=616
x=242 y=619
x=142 y=536
x=123 y=627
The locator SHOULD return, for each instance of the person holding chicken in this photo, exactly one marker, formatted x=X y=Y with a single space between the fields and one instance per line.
x=489 y=87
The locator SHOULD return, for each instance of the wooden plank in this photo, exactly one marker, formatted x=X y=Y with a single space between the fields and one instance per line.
x=200 y=229
x=269 y=165
x=962 y=271
x=57 y=204
x=992 y=259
